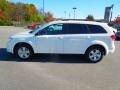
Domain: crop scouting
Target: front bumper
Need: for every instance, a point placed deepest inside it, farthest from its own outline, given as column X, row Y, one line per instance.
column 10, row 47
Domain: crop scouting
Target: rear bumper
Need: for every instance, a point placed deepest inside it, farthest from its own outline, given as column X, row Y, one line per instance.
column 112, row 49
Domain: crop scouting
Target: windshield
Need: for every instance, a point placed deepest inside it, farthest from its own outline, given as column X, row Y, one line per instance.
column 39, row 28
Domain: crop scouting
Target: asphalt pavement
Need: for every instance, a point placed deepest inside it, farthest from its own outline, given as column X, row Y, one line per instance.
column 56, row 72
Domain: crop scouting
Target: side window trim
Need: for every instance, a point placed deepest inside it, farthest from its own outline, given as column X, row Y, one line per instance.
column 87, row 28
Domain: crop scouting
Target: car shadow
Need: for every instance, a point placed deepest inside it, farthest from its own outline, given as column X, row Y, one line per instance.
column 44, row 58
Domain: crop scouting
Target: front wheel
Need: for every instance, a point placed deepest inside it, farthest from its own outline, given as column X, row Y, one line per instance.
column 24, row 52
column 94, row 54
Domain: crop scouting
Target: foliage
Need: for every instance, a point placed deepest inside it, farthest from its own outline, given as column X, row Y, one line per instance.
column 90, row 18
column 20, row 12
column 49, row 17
column 4, row 21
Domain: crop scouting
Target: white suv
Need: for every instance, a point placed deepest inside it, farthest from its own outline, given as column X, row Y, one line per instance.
column 92, row 39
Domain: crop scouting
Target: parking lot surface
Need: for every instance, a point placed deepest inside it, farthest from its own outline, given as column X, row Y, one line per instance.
column 54, row 72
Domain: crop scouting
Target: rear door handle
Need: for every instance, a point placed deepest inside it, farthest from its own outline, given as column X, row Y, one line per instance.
column 60, row 37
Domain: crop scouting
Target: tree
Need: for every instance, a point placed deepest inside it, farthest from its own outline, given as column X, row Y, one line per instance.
column 1, row 12
column 20, row 12
column 17, row 12
column 31, row 12
column 49, row 17
column 5, row 10
column 90, row 18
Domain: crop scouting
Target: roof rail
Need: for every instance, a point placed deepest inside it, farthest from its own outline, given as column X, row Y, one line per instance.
column 73, row 19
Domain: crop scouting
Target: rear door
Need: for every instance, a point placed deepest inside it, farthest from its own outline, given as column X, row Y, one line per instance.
column 76, row 38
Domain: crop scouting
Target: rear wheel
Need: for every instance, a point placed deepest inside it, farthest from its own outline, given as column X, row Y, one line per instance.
column 94, row 54
column 24, row 52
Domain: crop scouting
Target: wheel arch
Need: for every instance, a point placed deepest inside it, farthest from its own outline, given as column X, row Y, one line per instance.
column 22, row 43
column 98, row 45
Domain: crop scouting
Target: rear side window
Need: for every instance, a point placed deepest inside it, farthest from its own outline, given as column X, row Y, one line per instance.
column 77, row 29
column 96, row 29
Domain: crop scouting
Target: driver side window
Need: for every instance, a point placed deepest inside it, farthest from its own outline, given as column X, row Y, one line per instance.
column 54, row 29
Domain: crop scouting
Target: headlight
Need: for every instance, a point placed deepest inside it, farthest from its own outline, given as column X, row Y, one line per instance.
column 10, row 38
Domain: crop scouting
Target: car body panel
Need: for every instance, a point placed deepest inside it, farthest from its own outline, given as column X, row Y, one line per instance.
column 49, row 44
column 64, row 44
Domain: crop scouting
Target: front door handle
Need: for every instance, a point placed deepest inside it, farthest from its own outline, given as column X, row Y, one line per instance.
column 88, row 37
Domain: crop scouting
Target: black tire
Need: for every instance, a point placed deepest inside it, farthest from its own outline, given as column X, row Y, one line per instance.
column 89, row 54
column 28, row 48
column 117, row 38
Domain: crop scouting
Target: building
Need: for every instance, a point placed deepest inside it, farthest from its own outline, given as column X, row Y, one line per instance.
column 108, row 13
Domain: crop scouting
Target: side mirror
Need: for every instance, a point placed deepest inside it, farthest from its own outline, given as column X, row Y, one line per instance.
column 42, row 32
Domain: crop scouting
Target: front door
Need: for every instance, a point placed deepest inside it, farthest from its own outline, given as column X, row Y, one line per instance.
column 51, row 39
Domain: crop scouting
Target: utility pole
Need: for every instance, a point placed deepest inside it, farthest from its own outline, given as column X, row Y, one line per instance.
column 65, row 14
column 69, row 16
column 74, row 9
column 43, row 8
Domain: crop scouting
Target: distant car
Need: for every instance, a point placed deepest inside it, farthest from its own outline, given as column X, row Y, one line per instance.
column 117, row 32
column 118, row 29
column 92, row 39
column 118, row 35
column 33, row 26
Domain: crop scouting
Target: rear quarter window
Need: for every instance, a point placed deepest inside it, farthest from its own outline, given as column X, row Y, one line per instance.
column 96, row 29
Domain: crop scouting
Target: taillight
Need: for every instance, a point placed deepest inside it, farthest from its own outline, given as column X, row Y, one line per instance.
column 113, row 37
